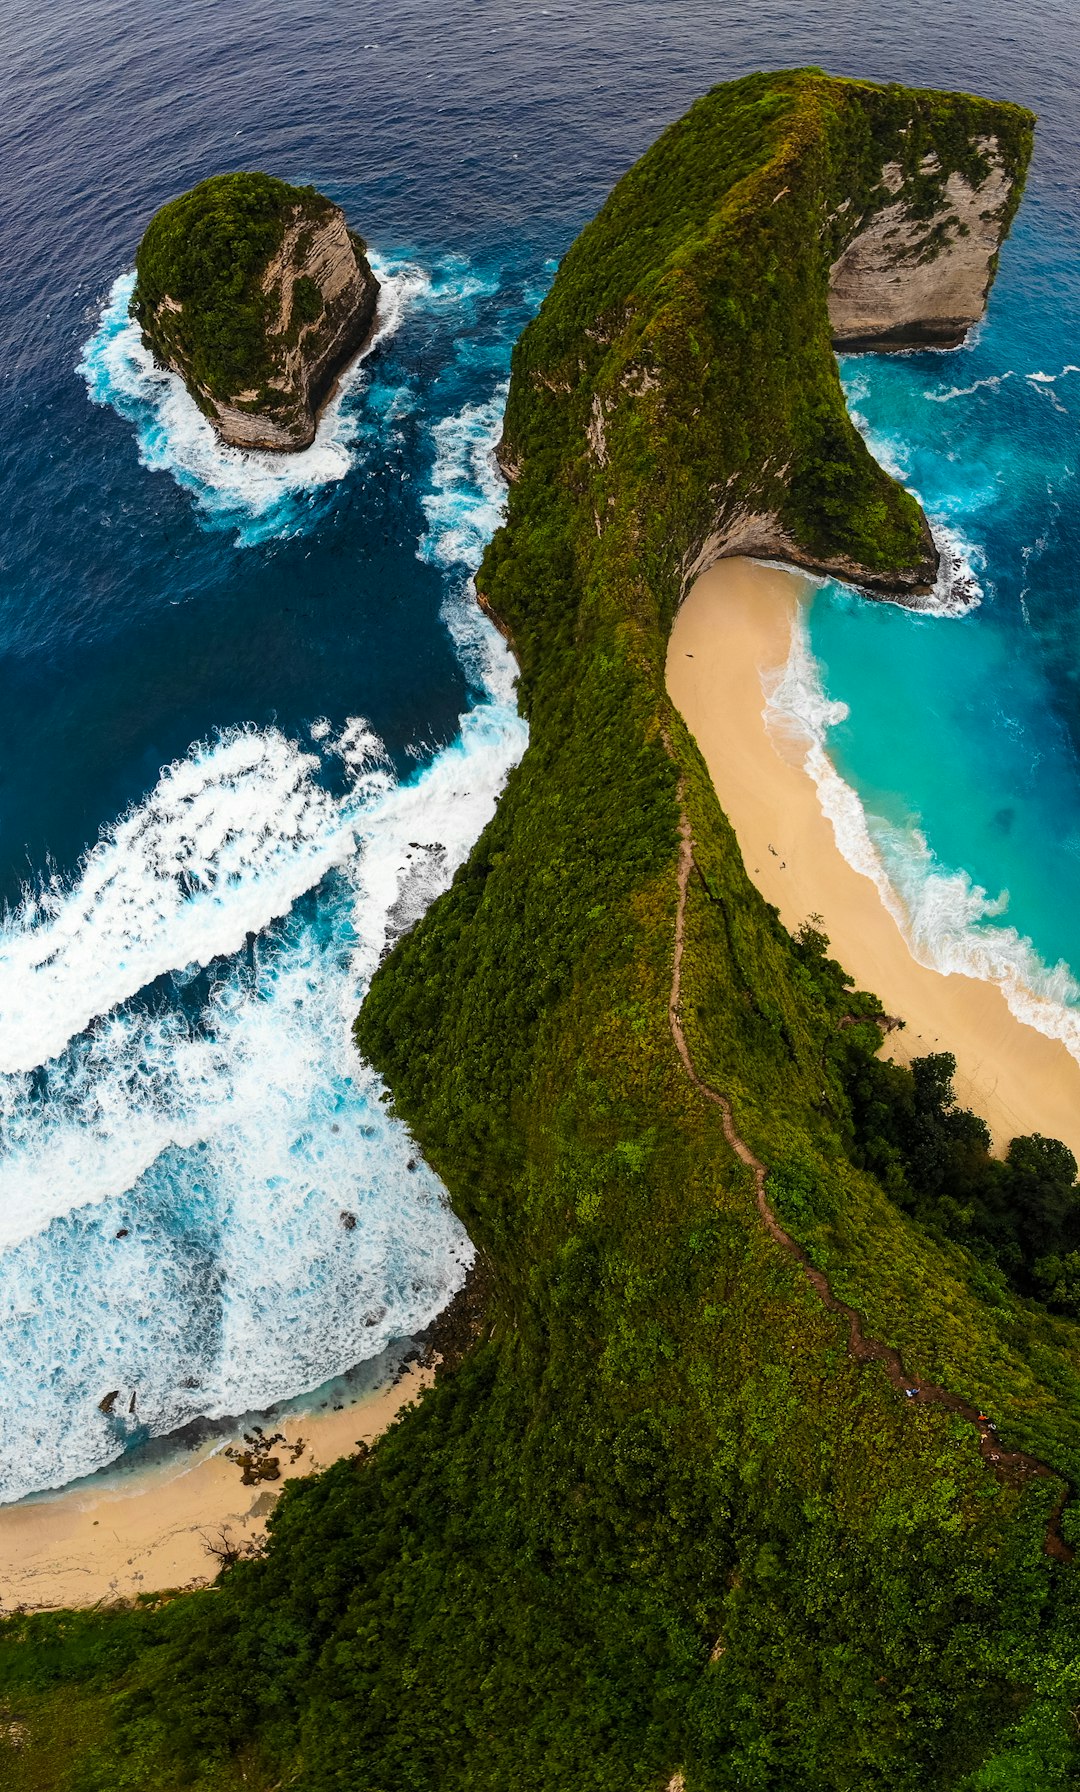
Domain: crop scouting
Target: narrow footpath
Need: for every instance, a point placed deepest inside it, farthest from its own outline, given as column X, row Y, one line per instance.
column 1012, row 1466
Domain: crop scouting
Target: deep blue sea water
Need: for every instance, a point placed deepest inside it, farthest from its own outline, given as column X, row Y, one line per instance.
column 250, row 719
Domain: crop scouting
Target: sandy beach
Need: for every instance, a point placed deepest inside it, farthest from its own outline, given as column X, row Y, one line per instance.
column 114, row 1537
column 734, row 627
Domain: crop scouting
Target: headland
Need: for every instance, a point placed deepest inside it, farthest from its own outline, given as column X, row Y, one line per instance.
column 665, row 1524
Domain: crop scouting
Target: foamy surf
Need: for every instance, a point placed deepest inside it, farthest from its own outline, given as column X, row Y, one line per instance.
column 226, row 842
column 958, row 588
column 992, row 382
column 227, row 1143
column 464, row 502
column 950, row 923
column 204, row 1203
column 260, row 495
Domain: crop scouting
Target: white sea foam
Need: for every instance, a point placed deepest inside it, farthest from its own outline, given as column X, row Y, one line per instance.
column 260, row 495
column 464, row 504
column 229, row 1149
column 228, row 840
column 137, row 1085
column 950, row 923
column 958, row 588
column 1048, row 379
column 237, row 1283
column 226, row 1134
column 991, row 383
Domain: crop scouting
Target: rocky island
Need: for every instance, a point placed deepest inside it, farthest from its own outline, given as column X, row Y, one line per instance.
column 752, row 1475
column 257, row 294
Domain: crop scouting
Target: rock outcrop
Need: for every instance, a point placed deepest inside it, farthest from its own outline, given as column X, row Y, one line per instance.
column 856, row 216
column 917, row 275
column 307, row 358
column 258, row 294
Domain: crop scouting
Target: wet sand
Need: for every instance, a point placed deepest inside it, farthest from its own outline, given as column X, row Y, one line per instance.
column 734, row 627
column 115, row 1536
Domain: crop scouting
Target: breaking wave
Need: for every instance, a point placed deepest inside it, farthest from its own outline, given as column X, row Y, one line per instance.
column 188, row 1133
column 258, row 495
column 993, row 381
column 950, row 923
column 959, row 588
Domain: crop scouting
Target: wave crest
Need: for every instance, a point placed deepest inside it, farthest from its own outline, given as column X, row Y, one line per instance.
column 950, row 923
column 172, row 1175
column 260, row 495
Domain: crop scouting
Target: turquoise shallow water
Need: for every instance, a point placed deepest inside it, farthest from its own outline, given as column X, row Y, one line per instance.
column 250, row 719
column 961, row 730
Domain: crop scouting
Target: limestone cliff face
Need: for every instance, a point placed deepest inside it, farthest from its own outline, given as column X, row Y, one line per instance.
column 685, row 354
column 258, row 295
column 915, row 277
column 307, row 356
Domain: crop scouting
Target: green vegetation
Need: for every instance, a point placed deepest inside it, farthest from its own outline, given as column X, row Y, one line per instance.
column 207, row 252
column 1020, row 1215
column 659, row 1521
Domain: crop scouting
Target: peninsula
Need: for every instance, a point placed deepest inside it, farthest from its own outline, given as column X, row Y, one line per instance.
column 758, row 1470
column 257, row 294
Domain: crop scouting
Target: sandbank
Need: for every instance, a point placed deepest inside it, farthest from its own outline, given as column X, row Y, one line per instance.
column 111, row 1537
column 734, row 628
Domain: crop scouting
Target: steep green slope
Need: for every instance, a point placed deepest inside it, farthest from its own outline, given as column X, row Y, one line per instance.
column 661, row 1528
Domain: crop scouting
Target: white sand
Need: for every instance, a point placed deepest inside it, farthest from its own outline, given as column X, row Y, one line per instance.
column 735, row 625
column 113, row 1538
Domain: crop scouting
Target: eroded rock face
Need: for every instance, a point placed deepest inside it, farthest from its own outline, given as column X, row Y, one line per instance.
column 760, row 535
column 257, row 294
column 308, row 355
column 909, row 280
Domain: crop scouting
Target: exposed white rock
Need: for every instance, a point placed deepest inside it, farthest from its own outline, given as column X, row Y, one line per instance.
column 905, row 281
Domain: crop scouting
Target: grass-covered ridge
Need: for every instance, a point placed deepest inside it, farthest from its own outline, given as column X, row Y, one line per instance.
column 659, row 1522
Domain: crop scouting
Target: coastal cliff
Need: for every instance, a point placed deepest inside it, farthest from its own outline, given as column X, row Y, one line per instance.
column 258, row 294
column 918, row 268
column 714, row 1499
column 859, row 216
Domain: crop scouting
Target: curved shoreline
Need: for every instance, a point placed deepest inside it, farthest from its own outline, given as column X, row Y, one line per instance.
column 110, row 1538
column 1015, row 1467
column 735, row 626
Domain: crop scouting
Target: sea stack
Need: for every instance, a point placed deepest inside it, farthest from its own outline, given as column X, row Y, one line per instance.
column 257, row 294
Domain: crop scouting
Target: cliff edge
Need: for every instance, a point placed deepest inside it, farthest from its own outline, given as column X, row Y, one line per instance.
column 257, row 294
column 917, row 271
column 675, row 1519
column 693, row 322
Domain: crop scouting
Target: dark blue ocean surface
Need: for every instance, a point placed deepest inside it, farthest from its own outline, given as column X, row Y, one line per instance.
column 249, row 717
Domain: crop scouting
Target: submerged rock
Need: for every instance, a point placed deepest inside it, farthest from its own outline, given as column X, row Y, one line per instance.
column 257, row 294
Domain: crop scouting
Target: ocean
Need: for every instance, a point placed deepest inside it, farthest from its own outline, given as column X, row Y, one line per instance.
column 251, row 719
